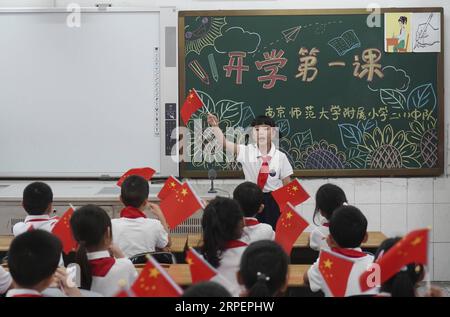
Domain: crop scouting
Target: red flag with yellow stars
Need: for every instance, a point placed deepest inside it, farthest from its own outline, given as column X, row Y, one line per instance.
column 145, row 172
column 172, row 184
column 200, row 269
column 63, row 231
column 190, row 105
column 335, row 271
column 413, row 248
column 180, row 205
column 289, row 227
column 154, row 281
column 292, row 193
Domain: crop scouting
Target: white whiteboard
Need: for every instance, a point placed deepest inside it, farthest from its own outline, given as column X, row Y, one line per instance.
column 77, row 102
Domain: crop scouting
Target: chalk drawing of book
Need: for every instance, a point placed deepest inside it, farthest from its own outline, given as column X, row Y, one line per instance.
column 345, row 43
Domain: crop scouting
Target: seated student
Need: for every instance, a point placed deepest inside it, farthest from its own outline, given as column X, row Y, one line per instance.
column 264, row 269
column 404, row 283
column 348, row 230
column 33, row 259
column 5, row 281
column 328, row 198
column 250, row 198
column 133, row 232
column 37, row 201
column 206, row 289
column 103, row 266
column 222, row 225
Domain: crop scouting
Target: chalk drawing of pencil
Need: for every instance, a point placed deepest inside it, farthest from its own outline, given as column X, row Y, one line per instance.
column 198, row 70
column 213, row 67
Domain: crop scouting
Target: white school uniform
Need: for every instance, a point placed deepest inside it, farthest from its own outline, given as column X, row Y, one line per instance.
column 108, row 273
column 42, row 222
column 251, row 159
column 138, row 235
column 317, row 283
column 229, row 266
column 255, row 231
column 5, row 280
column 23, row 292
column 318, row 237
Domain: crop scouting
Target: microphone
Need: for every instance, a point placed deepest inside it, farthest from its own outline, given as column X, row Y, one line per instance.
column 212, row 174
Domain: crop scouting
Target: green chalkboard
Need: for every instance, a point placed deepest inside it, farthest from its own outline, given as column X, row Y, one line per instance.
column 344, row 107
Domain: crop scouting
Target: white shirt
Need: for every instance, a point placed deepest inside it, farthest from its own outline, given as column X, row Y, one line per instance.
column 255, row 231
column 251, row 159
column 5, row 280
column 42, row 222
column 138, row 235
column 22, row 291
column 318, row 238
column 122, row 271
column 317, row 283
column 228, row 268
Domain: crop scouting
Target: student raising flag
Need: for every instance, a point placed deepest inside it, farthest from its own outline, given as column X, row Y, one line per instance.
column 145, row 172
column 190, row 105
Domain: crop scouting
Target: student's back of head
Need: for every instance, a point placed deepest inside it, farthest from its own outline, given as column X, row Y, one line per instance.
column 403, row 283
column 134, row 191
column 206, row 289
column 348, row 227
column 37, row 199
column 33, row 258
column 250, row 198
column 222, row 221
column 91, row 227
column 264, row 268
column 329, row 197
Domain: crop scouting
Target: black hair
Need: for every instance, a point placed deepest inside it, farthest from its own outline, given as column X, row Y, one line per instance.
column 250, row 198
column 33, row 257
column 403, row 283
column 222, row 221
column 328, row 198
column 348, row 226
column 37, row 197
column 134, row 191
column 206, row 289
column 403, row 19
column 263, row 120
column 263, row 269
column 89, row 225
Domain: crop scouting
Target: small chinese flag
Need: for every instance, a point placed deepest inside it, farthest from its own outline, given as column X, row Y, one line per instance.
column 335, row 271
column 292, row 193
column 200, row 269
column 63, row 231
column 154, row 281
column 172, row 184
column 180, row 205
column 413, row 248
column 145, row 172
column 190, row 105
column 289, row 227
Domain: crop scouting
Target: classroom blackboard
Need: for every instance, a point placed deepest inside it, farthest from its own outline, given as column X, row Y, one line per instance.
column 344, row 107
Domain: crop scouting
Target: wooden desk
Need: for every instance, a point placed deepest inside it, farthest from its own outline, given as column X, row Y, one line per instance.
column 5, row 242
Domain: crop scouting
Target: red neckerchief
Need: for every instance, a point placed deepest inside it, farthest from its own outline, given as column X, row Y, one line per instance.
column 132, row 213
column 326, row 224
column 235, row 244
column 349, row 252
column 248, row 222
column 27, row 295
column 100, row 267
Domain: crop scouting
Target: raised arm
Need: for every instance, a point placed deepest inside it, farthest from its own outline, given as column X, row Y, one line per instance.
column 229, row 146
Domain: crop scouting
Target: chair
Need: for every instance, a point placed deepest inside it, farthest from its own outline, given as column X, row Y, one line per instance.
column 161, row 257
column 404, row 50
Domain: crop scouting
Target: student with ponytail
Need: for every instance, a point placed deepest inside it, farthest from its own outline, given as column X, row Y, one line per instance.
column 222, row 225
column 264, row 269
column 103, row 266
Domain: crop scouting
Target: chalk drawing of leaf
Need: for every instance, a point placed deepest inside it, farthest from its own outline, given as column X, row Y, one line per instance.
column 229, row 112
column 247, row 117
column 369, row 125
column 393, row 98
column 422, row 97
column 356, row 158
column 301, row 140
column 284, row 126
column 351, row 135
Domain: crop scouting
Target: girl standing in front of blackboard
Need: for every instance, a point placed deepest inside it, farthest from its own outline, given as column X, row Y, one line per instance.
column 261, row 161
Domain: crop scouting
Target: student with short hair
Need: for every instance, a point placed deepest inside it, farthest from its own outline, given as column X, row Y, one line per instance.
column 38, row 203
column 104, row 268
column 250, row 198
column 348, row 230
column 134, row 232
column 33, row 259
column 264, row 270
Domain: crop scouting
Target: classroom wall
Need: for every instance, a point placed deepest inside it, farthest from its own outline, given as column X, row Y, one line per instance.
column 392, row 205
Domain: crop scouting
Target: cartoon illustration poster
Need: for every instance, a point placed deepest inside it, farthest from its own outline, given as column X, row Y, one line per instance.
column 426, row 32
column 397, row 28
